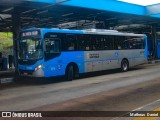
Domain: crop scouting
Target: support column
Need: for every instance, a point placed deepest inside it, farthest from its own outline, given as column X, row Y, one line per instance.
column 154, row 38
column 15, row 29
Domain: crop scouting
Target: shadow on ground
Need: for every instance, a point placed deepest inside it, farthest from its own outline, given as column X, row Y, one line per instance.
column 40, row 81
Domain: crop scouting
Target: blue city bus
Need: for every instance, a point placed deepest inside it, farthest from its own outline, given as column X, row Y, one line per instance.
column 44, row 52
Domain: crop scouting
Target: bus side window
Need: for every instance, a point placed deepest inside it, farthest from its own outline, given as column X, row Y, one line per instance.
column 87, row 42
column 128, row 43
column 125, row 44
column 139, row 43
column 110, row 42
column 71, row 46
column 97, row 42
column 104, row 46
column 69, row 42
column 80, row 42
column 83, row 42
column 118, row 40
column 93, row 42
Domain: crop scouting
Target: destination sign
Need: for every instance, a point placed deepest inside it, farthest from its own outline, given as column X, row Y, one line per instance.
column 29, row 33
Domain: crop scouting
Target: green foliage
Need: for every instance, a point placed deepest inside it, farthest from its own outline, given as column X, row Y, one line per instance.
column 6, row 41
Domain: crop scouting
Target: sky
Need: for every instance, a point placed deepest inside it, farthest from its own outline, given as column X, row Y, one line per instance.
column 142, row 2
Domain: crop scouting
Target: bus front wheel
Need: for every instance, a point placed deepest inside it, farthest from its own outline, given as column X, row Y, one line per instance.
column 70, row 73
column 124, row 66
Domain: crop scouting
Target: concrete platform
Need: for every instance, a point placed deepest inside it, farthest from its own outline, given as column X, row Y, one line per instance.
column 153, row 61
column 7, row 76
column 9, row 72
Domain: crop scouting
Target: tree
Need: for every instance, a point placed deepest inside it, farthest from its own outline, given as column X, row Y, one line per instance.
column 6, row 43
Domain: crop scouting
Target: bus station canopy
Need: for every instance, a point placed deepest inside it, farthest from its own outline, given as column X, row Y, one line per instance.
column 78, row 14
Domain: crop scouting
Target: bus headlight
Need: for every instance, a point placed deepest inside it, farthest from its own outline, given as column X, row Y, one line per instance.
column 38, row 67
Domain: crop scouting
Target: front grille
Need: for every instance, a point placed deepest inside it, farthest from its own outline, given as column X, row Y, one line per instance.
column 26, row 72
column 28, row 62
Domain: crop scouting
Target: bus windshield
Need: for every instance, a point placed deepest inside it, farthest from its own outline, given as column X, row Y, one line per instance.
column 30, row 48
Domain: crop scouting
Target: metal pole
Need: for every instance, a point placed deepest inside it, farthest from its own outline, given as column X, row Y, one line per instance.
column 154, row 38
column 15, row 29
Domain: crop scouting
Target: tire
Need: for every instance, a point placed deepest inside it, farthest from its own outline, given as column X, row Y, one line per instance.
column 124, row 66
column 70, row 73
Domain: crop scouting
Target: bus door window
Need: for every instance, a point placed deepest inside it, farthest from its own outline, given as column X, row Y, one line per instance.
column 52, row 47
column 38, row 49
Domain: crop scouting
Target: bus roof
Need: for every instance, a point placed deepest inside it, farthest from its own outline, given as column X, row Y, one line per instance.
column 88, row 31
column 111, row 32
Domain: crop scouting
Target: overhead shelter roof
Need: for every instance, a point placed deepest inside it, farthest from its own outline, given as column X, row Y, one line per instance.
column 50, row 13
column 141, row 2
column 110, row 5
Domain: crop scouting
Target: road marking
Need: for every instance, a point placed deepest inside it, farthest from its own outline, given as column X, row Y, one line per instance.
column 146, row 105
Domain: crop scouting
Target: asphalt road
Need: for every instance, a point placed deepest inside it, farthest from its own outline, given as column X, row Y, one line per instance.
column 110, row 91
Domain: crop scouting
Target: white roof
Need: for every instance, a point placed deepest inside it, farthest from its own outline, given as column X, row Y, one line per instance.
column 110, row 32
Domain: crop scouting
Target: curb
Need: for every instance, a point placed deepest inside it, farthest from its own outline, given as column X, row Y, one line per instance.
column 153, row 62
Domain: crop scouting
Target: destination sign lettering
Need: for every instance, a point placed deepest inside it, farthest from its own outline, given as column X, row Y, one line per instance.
column 29, row 33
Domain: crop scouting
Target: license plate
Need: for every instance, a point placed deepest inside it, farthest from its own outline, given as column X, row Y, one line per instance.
column 25, row 73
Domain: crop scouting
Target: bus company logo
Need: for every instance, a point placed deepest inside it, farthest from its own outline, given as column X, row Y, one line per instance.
column 116, row 54
column 96, row 55
column 6, row 114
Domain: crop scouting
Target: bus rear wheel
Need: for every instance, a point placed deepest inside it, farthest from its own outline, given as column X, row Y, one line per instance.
column 124, row 66
column 70, row 73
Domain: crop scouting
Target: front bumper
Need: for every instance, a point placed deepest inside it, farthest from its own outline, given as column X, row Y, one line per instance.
column 31, row 73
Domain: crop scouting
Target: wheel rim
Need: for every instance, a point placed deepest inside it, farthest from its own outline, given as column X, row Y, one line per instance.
column 125, row 66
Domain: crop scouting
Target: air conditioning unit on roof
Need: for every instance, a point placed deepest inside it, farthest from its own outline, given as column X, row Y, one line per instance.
column 100, row 30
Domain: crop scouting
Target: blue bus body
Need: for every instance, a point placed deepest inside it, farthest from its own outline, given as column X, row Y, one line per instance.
column 56, row 66
column 85, row 61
